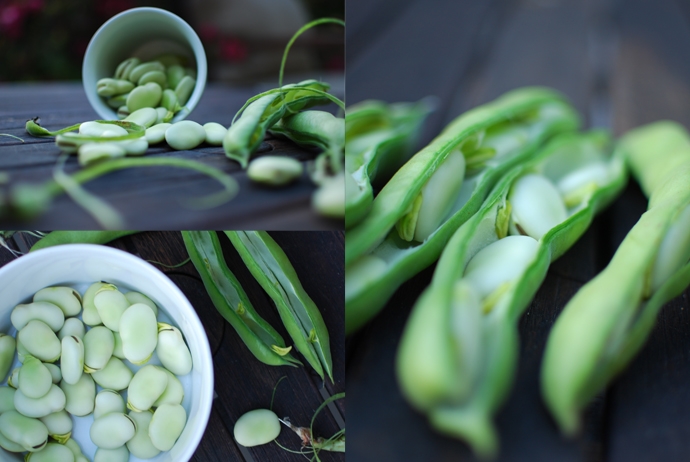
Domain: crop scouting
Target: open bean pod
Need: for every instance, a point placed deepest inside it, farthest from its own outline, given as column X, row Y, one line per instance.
column 273, row 271
column 419, row 209
column 458, row 352
column 246, row 134
column 232, row 302
column 379, row 138
column 606, row 323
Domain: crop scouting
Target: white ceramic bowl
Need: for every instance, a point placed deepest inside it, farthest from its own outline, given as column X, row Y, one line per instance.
column 80, row 265
column 145, row 33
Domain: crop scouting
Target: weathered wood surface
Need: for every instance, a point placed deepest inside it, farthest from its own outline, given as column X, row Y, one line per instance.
column 622, row 64
column 149, row 198
column 242, row 383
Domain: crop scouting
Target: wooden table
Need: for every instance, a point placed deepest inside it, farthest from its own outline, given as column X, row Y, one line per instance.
column 622, row 64
column 149, row 198
column 242, row 383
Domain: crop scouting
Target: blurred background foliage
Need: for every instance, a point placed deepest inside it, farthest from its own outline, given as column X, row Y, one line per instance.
column 243, row 39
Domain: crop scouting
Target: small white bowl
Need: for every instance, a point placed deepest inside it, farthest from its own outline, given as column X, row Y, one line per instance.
column 145, row 33
column 80, row 265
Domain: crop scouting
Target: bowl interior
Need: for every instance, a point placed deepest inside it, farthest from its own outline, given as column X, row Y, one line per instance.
column 78, row 266
column 144, row 33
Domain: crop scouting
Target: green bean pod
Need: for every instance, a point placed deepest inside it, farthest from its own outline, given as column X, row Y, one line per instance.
column 458, row 352
column 246, row 134
column 380, row 138
column 8, row 345
column 312, row 128
column 493, row 138
column 231, row 301
column 273, row 271
column 607, row 322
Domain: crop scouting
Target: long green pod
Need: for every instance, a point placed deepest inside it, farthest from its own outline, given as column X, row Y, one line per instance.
column 313, row 128
column 273, row 271
column 458, row 352
column 232, row 302
column 377, row 260
column 606, row 323
column 246, row 134
column 54, row 238
column 379, row 138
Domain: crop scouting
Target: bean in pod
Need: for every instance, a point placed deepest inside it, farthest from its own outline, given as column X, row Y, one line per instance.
column 99, row 344
column 93, row 128
column 166, row 425
column 110, row 303
column 8, row 345
column 274, row 170
column 53, row 401
column 139, row 333
column 34, row 378
column 120, row 454
column 81, row 396
column 115, row 375
column 31, row 434
column 59, row 425
column 172, row 350
column 140, row 445
column 256, row 427
column 68, row 299
column 147, row 385
column 537, row 206
column 185, row 135
column 72, row 359
column 40, row 341
column 112, row 430
column 108, row 401
column 6, row 399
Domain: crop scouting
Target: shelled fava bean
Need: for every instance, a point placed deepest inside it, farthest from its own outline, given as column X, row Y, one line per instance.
column 40, row 395
column 162, row 84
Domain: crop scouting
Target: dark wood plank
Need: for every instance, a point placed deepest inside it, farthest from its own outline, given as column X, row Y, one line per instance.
column 149, row 198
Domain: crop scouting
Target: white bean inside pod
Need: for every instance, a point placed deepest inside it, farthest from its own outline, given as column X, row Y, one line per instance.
column 59, row 425
column 166, row 425
column 174, row 392
column 72, row 327
column 40, row 341
column 53, row 452
column 7, row 347
column 581, row 183
column 139, row 333
column 137, row 297
column 108, row 401
column 147, row 385
column 53, row 401
column 34, row 378
column 120, row 454
column 81, row 396
column 7, row 399
column 47, row 312
column 68, row 299
column 500, row 263
column 99, row 344
column 435, row 200
column 93, row 128
column 112, row 430
column 172, row 350
column 115, row 375
column 140, row 445
column 31, row 434
column 72, row 359
column 674, row 250
column 90, row 315
column 256, row 427
column 537, row 206
column 110, row 303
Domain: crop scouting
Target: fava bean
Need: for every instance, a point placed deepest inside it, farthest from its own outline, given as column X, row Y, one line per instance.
column 172, row 350
column 125, row 68
column 6, row 399
column 51, row 402
column 146, row 96
column 94, row 128
column 90, row 153
column 175, row 74
column 110, row 303
column 141, row 69
column 40, row 341
column 156, row 133
column 68, row 299
column 55, row 372
column 113, row 87
column 90, row 315
column 184, row 89
column 81, row 396
column 52, row 452
column 140, row 445
column 166, row 425
column 185, row 135
column 138, row 297
column 112, row 430
column 147, row 385
column 215, row 133
column 115, row 375
column 154, row 76
column 72, row 327
column 139, row 333
column 256, row 427
column 329, row 199
column 31, row 434
column 174, row 392
column 146, row 117
column 274, row 170
column 98, row 348
column 34, row 378
column 108, row 401
column 59, row 425
column 72, row 359
column 120, row 454
column 8, row 346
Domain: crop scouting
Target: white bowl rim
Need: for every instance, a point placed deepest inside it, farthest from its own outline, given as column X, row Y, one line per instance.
column 206, row 398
